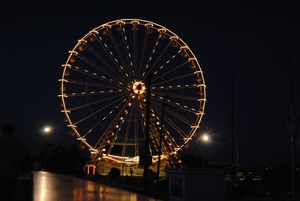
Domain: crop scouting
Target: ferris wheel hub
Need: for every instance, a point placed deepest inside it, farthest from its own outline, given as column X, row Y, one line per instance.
column 138, row 87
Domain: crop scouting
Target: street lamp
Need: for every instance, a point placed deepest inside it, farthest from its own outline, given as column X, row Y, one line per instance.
column 47, row 130
column 205, row 138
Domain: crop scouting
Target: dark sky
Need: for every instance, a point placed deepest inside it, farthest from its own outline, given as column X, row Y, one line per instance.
column 250, row 40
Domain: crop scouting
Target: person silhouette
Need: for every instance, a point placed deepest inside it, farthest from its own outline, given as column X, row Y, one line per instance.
column 131, row 171
column 11, row 152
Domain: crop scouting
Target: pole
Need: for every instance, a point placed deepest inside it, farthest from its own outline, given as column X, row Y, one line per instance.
column 203, row 151
column 146, row 153
column 45, row 158
column 231, row 137
column 160, row 137
column 236, row 159
column 292, row 132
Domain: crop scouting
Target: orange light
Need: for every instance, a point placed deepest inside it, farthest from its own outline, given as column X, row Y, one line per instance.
column 91, row 169
column 138, row 87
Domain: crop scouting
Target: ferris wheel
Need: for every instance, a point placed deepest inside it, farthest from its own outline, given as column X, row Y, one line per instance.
column 104, row 87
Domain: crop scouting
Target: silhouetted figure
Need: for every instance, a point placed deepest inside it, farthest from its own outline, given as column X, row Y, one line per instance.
column 131, row 172
column 11, row 151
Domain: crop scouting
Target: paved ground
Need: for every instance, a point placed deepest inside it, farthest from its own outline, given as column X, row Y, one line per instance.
column 49, row 187
column 24, row 188
column 46, row 186
column 135, row 184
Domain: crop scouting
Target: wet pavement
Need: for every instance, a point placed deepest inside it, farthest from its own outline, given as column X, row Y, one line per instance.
column 49, row 186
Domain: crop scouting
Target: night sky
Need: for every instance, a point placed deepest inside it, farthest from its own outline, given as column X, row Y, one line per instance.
column 252, row 41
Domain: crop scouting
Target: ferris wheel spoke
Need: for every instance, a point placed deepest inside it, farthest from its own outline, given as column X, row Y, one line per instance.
column 135, row 54
column 90, row 74
column 127, row 52
column 160, row 54
column 114, row 141
column 175, row 127
column 110, row 55
column 169, row 144
column 159, row 58
column 99, row 56
column 180, row 106
column 146, row 72
column 108, row 138
column 106, row 63
column 96, row 84
column 176, row 115
column 164, row 81
column 101, row 101
column 115, row 76
column 127, row 132
column 170, row 140
column 155, row 141
column 177, row 96
column 102, row 108
column 140, row 67
column 94, row 113
column 91, row 93
column 166, row 88
column 125, row 65
column 186, row 108
column 112, row 126
column 111, row 88
column 99, row 123
column 112, row 83
column 141, row 110
column 179, row 117
column 167, row 148
column 163, row 76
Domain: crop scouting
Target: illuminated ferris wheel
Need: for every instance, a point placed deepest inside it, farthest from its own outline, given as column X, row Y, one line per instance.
column 104, row 84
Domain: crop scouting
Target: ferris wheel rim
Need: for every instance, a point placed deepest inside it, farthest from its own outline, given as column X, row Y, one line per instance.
column 155, row 26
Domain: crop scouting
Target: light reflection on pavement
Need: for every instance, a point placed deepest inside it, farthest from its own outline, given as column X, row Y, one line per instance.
column 54, row 187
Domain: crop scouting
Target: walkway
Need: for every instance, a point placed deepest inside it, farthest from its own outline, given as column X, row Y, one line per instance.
column 49, row 186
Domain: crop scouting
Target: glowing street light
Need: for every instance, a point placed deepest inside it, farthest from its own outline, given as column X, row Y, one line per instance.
column 47, row 129
column 205, row 138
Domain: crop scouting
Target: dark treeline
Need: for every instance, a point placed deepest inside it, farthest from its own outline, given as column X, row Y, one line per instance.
column 59, row 159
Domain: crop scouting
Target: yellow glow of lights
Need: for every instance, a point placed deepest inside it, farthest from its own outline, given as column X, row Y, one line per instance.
column 205, row 137
column 90, row 169
column 47, row 129
column 138, row 87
